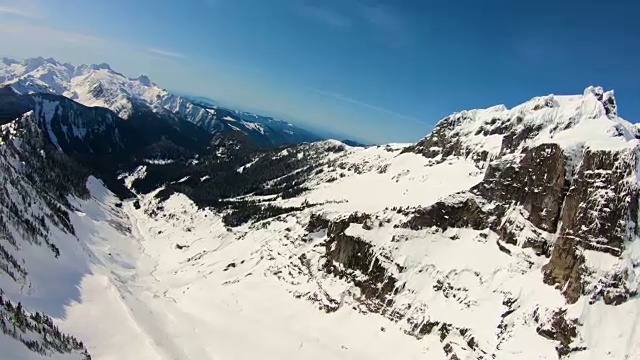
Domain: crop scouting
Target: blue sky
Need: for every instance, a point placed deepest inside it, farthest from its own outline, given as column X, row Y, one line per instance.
column 377, row 70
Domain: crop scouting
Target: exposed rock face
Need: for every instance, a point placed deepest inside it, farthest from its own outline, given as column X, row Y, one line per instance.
column 439, row 141
column 533, row 182
column 564, row 267
column 602, row 205
column 562, row 330
column 457, row 214
column 348, row 256
column 317, row 222
column 587, row 197
column 599, row 214
column 536, row 182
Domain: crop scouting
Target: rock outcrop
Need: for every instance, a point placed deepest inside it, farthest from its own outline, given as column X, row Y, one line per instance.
column 583, row 192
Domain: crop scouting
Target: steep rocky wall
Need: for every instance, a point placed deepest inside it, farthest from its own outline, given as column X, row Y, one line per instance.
column 599, row 213
column 351, row 257
column 594, row 207
column 602, row 204
column 536, row 182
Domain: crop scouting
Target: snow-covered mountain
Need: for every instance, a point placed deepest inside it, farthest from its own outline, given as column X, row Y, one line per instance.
column 503, row 234
column 101, row 86
column 274, row 132
column 38, row 246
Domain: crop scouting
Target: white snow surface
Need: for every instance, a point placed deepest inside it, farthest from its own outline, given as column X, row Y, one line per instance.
column 575, row 122
column 135, row 295
column 190, row 303
column 170, row 281
column 175, row 283
column 254, row 126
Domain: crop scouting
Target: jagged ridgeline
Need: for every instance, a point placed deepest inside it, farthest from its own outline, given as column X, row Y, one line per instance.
column 100, row 85
column 504, row 233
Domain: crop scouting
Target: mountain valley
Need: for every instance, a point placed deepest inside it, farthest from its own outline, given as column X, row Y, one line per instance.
column 135, row 223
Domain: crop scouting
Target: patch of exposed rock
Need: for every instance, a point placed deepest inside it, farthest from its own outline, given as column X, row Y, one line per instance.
column 599, row 213
column 562, row 330
column 349, row 257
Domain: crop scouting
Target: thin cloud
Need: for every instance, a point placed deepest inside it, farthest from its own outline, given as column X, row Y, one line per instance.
column 377, row 18
column 166, row 53
column 48, row 34
column 387, row 21
column 14, row 11
column 383, row 17
column 326, row 16
column 29, row 9
column 368, row 106
column 537, row 49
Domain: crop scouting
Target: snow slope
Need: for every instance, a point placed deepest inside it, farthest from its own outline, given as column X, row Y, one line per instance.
column 151, row 303
column 254, row 318
column 458, row 277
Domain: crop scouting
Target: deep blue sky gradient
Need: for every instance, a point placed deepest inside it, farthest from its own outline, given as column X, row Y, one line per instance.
column 376, row 70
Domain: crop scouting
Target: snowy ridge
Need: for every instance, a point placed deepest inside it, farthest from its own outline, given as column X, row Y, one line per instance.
column 575, row 122
column 69, row 124
column 90, row 85
column 101, row 86
column 38, row 250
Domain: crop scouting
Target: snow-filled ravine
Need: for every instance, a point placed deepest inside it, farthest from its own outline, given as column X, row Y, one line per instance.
column 169, row 281
column 147, row 299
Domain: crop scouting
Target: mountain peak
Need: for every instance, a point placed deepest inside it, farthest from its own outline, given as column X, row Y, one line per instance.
column 102, row 66
column 571, row 121
column 34, row 63
column 9, row 61
column 144, row 80
column 606, row 98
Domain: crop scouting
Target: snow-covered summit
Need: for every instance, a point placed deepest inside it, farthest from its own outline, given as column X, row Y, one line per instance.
column 98, row 85
column 572, row 121
column 144, row 80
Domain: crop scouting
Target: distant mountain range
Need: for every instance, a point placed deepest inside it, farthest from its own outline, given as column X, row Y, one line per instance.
column 101, row 86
